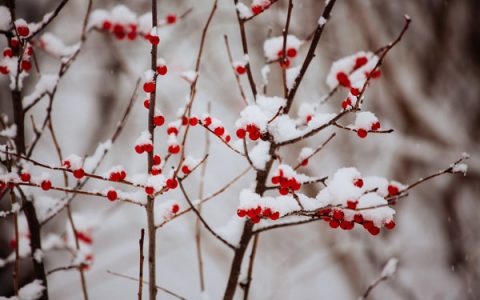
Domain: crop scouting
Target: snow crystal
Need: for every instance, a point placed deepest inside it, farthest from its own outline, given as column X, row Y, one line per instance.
column 5, row 18
column 244, row 10
column 259, row 155
column 46, row 84
column 390, row 267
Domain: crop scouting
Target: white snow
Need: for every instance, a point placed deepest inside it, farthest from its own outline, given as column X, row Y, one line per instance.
column 259, row 155
column 5, row 18
column 31, row 291
column 364, row 120
column 460, row 168
column 292, row 74
column 9, row 132
column 46, row 84
column 390, row 267
column 56, row 47
column 244, row 10
column 272, row 46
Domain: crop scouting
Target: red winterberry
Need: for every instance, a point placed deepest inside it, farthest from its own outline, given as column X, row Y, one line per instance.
column 139, row 149
column 185, row 170
column 241, row 133
column 26, row 65
column 346, row 103
column 392, row 190
column 78, row 173
column 174, row 149
column 292, row 52
column 106, row 25
column 148, row 148
column 376, row 126
column 23, row 30
column 352, row 204
column 146, row 103
column 155, row 171
column 240, row 70
column 158, row 120
column 112, row 195
column 304, row 162
column 207, row 121
column 13, row 244
column 283, row 191
column 171, row 18
column 153, row 39
column 162, row 69
column 362, row 133
column 7, row 52
column 360, row 61
column 338, row 215
column 254, row 135
column 149, row 87
column 175, row 208
column 334, row 223
column 172, row 130
column 390, row 225
column 355, row 91
column 46, row 185
column 241, row 213
column 25, row 177
column 157, row 160
column 4, row 70
column 149, row 190
column 193, row 121
column 172, row 183
column 274, row 216
column 358, row 218
column 256, row 9
column 343, row 79
column 219, row 131
column 374, row 230
column 358, row 182
column 267, row 212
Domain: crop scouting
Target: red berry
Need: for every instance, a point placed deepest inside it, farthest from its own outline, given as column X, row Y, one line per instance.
column 106, row 25
column 360, row 61
column 171, row 18
column 343, row 79
column 78, row 173
column 174, row 149
column 358, row 182
column 283, row 191
column 155, row 171
column 7, row 52
column 23, row 30
column 207, row 121
column 149, row 190
column 376, row 126
column 112, row 195
column 376, row 74
column 241, row 213
column 276, row 179
column 148, row 148
column 123, row 175
column 309, row 118
column 13, row 244
column 362, row 133
column 368, row 224
column 162, row 69
column 115, row 176
column 46, row 185
column 256, row 219
column 172, row 130
column 345, row 225
column 355, row 91
column 352, row 204
column 146, row 103
column 240, row 70
column 14, row 43
column 228, row 138
column 374, row 230
column 25, row 177
column 185, row 170
column 392, row 190
column 284, row 63
column 256, row 9
column 84, row 237
column 175, row 208
column 304, row 162
column 219, row 131
column 157, row 160
column 4, row 70
column 29, row 50
column 193, row 121
column 118, row 29
column 184, row 120
column 267, row 212
column 338, row 215
column 149, row 87
column 254, row 135
column 139, row 149
column 275, row 216
column 292, row 52
column 158, row 120
column 333, row 223
column 153, row 39
column 172, row 183
column 241, row 133
column 358, row 218
column 390, row 225
column 346, row 103
column 26, row 65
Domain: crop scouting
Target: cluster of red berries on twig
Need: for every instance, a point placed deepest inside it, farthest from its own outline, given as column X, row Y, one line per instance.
column 258, row 6
column 286, row 184
column 255, row 214
column 253, row 131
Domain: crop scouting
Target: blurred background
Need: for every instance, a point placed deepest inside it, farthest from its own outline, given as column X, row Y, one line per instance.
column 429, row 94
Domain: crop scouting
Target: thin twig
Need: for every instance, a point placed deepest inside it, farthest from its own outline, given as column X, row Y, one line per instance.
column 140, row 271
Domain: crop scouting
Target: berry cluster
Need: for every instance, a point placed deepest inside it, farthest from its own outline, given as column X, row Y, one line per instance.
column 255, row 214
column 216, row 126
column 258, row 6
column 253, row 131
column 287, row 184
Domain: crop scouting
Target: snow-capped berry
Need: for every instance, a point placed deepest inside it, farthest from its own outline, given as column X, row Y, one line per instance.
column 283, row 191
column 267, row 212
column 7, row 52
column 358, row 182
column 25, row 177
column 219, row 131
column 390, row 225
column 376, row 126
column 346, row 225
column 207, row 121
column 112, row 195
column 155, row 171
column 351, row 204
column 355, row 91
column 343, row 79
column 292, row 52
column 175, row 208
column 23, row 30
column 158, row 120
column 139, row 149
column 309, row 118
column 304, row 162
column 274, row 216
column 162, row 69
column 4, row 70
column 392, row 190
column 174, row 149
column 240, row 69
column 78, row 173
column 107, row 25
column 257, row 9
column 193, row 121
column 185, row 170
column 184, row 120
column 358, row 218
column 171, row 18
column 338, row 214
column 146, row 103
column 157, row 160
column 14, row 43
column 374, row 75
column 148, row 148
column 360, row 62
column 362, row 133
column 368, row 224
column 149, row 190
column 153, row 39
column 284, row 63
column 149, row 87
column 46, row 185
column 374, row 230
column 172, row 130
column 172, row 183
column 26, row 65
column 241, row 133
column 254, row 135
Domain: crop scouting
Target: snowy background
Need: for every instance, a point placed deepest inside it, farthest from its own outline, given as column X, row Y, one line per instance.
column 429, row 93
